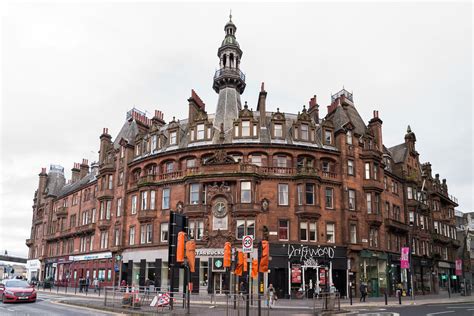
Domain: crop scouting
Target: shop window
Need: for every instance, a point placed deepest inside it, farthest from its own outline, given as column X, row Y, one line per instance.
column 245, row 192
column 330, row 233
column 283, row 194
column 164, row 232
column 329, row 196
column 283, row 230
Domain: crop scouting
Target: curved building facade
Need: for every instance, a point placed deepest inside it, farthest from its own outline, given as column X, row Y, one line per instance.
column 335, row 203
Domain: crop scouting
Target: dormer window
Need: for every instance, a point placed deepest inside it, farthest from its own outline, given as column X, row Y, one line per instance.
column 327, row 137
column 137, row 149
column 173, row 139
column 349, row 137
column 278, row 130
column 154, row 142
column 200, row 132
column 245, row 128
column 304, row 132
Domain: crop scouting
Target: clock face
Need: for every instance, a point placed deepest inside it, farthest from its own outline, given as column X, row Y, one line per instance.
column 220, row 209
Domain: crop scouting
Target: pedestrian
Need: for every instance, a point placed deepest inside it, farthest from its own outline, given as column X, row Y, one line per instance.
column 243, row 290
column 363, row 291
column 271, row 295
column 87, row 284
column 95, row 284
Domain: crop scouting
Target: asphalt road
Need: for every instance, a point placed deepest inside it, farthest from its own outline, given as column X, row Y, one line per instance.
column 45, row 305
column 449, row 309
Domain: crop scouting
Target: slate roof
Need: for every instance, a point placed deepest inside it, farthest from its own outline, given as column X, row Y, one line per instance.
column 344, row 114
column 399, row 152
column 128, row 132
column 55, row 182
column 68, row 188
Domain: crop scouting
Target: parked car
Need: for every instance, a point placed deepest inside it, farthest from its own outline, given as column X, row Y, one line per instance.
column 14, row 290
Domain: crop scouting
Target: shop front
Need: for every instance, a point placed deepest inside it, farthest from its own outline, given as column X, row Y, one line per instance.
column 423, row 275
column 54, row 268
column 394, row 273
column 447, row 279
column 138, row 266
column 299, row 271
column 373, row 271
column 33, row 270
column 90, row 266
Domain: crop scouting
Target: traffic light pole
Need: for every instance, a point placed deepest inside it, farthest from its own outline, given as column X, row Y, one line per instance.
column 247, row 301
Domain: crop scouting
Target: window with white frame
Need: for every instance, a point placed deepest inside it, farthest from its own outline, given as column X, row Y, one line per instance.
column 116, row 237
column 368, row 198
column 93, row 215
column 173, row 139
column 245, row 227
column 330, row 233
column 349, row 137
column 191, row 163
column 245, row 128
column 352, row 199
column 329, row 197
column 169, row 167
column 149, row 233
column 104, row 237
column 282, row 194
column 154, row 142
column 165, row 202
column 326, row 166
column 281, row 161
column 152, row 199
column 409, row 193
column 256, row 160
column 310, row 194
column 164, row 232
column 200, row 131
column 196, row 229
column 304, row 132
column 327, row 137
column 299, row 194
column 367, row 170
column 144, row 204
column 194, row 193
column 303, row 231
column 313, row 231
column 373, row 237
column 353, row 233
column 283, row 229
column 350, row 167
column 245, row 192
column 131, row 239
column 375, row 173
column 111, row 182
column 142, row 234
column 119, row 207
column 411, row 217
column 134, row 204
column 108, row 209
column 277, row 130
column 120, row 181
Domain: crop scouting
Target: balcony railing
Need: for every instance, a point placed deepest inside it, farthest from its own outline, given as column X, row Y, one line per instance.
column 86, row 228
column 104, row 223
column 229, row 72
column 61, row 211
column 396, row 225
column 146, row 215
column 374, row 219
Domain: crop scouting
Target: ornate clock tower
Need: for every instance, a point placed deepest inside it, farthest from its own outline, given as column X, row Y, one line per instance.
column 229, row 83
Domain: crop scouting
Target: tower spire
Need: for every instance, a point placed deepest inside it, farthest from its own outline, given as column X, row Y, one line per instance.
column 230, row 16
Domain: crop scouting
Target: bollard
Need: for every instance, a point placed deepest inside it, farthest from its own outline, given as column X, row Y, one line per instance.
column 400, row 298
column 385, row 294
column 350, row 295
column 259, row 304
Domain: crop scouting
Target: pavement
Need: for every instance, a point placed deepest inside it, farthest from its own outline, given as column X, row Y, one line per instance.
column 61, row 303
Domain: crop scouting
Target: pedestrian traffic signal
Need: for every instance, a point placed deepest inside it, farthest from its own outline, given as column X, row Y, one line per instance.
column 191, row 254
column 265, row 256
column 180, row 247
column 227, row 255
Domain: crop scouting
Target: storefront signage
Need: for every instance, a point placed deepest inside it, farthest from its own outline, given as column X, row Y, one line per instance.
column 404, row 263
column 295, row 273
column 211, row 252
column 33, row 264
column 458, row 267
column 305, row 252
column 103, row 255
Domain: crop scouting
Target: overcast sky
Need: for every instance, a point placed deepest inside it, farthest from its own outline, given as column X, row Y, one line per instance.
column 68, row 70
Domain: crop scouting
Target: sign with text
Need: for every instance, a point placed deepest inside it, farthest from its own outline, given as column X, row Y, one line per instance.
column 296, row 273
column 458, row 267
column 404, row 263
column 247, row 244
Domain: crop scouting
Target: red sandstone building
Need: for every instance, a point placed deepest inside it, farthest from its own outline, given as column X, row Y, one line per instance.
column 323, row 189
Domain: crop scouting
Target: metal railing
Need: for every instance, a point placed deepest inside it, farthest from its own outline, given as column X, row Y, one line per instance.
column 229, row 71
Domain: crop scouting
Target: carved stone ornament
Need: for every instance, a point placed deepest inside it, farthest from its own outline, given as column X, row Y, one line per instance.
column 265, row 204
column 217, row 189
column 218, row 238
column 220, row 157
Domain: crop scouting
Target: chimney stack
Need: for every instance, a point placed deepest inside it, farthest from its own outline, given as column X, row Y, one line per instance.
column 75, row 172
column 376, row 125
column 314, row 109
column 84, row 168
column 43, row 177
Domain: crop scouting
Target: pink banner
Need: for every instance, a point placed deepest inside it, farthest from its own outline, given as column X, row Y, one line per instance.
column 458, row 267
column 404, row 263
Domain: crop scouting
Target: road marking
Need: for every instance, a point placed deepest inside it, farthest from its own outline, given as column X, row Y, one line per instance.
column 437, row 313
column 472, row 309
column 86, row 308
column 460, row 306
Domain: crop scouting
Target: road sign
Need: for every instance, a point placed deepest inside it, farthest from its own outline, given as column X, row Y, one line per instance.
column 116, row 268
column 247, row 244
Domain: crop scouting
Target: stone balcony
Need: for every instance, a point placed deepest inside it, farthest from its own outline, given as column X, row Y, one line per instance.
column 440, row 238
column 104, row 224
column 396, row 226
column 372, row 184
column 308, row 211
column 105, row 194
column 29, row 242
column 374, row 219
column 85, row 229
column 146, row 215
column 61, row 212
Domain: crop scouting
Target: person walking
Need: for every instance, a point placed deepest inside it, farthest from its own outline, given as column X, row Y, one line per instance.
column 87, row 284
column 95, row 284
column 271, row 295
column 363, row 291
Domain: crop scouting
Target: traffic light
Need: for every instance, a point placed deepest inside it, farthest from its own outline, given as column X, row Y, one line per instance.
column 191, row 254
column 265, row 256
column 254, row 268
column 227, row 255
column 240, row 263
column 180, row 247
